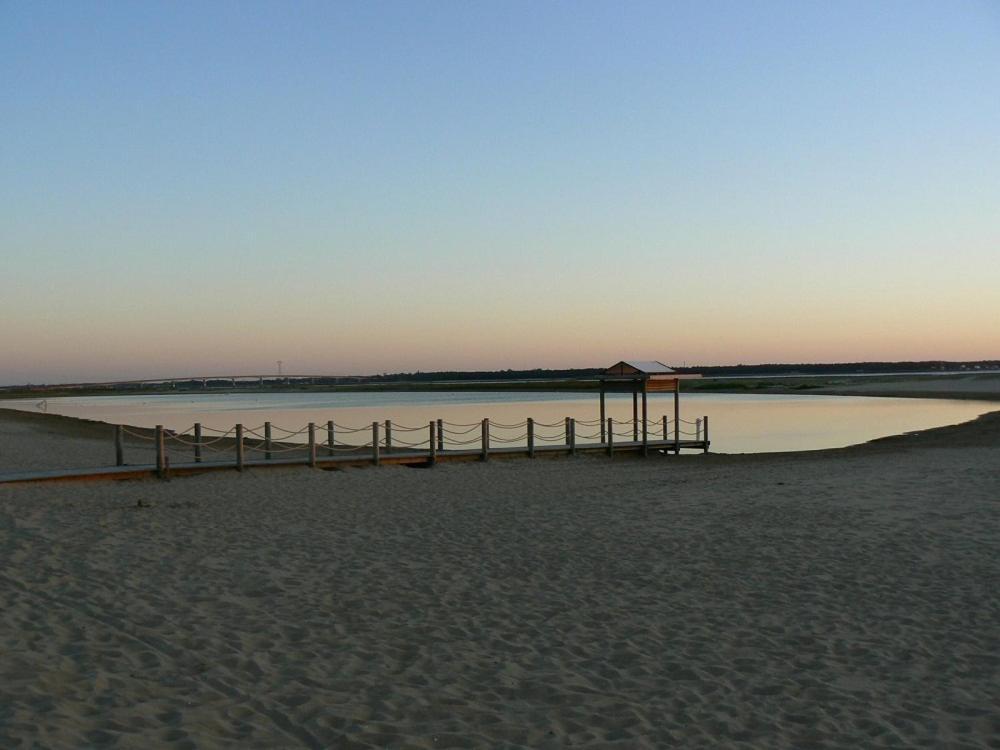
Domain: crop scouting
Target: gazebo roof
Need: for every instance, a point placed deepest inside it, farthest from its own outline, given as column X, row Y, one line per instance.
column 637, row 367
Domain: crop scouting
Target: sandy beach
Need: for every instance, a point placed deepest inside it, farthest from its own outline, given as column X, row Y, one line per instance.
column 842, row 599
column 982, row 386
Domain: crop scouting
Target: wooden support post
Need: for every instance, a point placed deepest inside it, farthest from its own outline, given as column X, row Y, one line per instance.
column 119, row 445
column 705, row 436
column 312, row 445
column 572, row 437
column 432, row 442
column 197, row 442
column 697, row 429
column 645, row 417
column 566, row 429
column 531, row 437
column 239, row 447
column 666, row 432
column 161, row 457
column 677, row 417
column 388, row 434
column 635, row 415
column 611, row 436
column 331, row 441
column 267, row 441
column 486, row 440
column 376, row 458
column 603, row 410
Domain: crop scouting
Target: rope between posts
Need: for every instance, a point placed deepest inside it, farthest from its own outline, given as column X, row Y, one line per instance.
column 127, row 431
column 408, row 444
column 509, row 426
column 213, row 441
column 549, row 439
column 515, row 439
column 344, row 428
column 182, row 441
column 401, row 428
column 220, row 432
column 457, row 424
column 475, row 440
column 289, row 433
column 460, row 432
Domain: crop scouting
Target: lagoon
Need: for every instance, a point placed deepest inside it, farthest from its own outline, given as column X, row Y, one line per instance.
column 740, row 423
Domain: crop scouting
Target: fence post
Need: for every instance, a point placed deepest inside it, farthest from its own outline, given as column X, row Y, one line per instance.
column 572, row 437
column 440, row 434
column 486, row 440
column 666, row 430
column 388, row 434
column 531, row 437
column 376, row 458
column 161, row 464
column 312, row 445
column 197, row 442
column 567, row 430
column 432, row 441
column 267, row 441
column 239, row 447
column 611, row 436
column 635, row 416
column 119, row 445
column 697, row 429
column 330, row 442
column 705, row 422
column 677, row 436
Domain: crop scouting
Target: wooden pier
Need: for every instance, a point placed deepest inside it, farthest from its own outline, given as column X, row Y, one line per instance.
column 242, row 448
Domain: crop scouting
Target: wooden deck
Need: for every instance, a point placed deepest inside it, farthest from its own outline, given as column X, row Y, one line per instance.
column 387, row 457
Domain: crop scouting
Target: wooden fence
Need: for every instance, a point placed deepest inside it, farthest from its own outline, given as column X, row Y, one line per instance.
column 331, row 443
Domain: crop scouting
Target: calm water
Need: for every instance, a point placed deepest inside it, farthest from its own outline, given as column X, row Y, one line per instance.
column 740, row 423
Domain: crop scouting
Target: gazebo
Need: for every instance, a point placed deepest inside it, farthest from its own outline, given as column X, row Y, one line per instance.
column 642, row 377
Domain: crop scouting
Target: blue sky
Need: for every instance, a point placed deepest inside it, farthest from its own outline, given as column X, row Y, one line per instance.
column 191, row 187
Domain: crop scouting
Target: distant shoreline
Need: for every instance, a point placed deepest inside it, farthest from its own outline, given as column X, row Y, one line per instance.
column 961, row 385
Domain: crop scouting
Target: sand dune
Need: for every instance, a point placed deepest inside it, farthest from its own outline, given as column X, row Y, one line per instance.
column 836, row 599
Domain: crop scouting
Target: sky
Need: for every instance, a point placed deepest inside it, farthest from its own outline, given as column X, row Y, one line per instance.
column 193, row 188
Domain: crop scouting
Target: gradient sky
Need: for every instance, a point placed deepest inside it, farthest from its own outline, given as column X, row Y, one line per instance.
column 191, row 188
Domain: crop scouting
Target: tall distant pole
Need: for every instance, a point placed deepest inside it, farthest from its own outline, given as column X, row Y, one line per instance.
column 279, row 367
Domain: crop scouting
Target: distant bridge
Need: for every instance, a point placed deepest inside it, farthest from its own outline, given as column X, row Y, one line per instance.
column 202, row 381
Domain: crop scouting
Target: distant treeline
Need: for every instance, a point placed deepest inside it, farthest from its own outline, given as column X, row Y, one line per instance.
column 840, row 368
